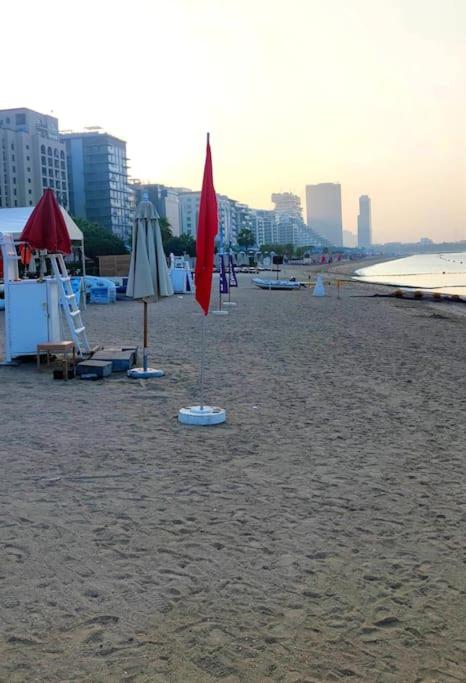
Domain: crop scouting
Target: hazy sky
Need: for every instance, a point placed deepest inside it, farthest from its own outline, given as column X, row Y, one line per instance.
column 369, row 93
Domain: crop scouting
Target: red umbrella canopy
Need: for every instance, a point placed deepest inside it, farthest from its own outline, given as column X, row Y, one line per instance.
column 46, row 227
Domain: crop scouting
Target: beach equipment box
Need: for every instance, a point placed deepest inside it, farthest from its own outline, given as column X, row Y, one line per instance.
column 32, row 315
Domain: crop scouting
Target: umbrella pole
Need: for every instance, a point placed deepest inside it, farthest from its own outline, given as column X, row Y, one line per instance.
column 145, row 363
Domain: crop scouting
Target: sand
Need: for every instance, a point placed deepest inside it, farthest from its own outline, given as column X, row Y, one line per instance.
column 317, row 536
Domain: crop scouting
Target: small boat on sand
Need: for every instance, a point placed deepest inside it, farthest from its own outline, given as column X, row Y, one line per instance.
column 276, row 284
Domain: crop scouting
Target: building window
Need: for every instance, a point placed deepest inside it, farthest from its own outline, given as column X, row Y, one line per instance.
column 42, row 149
column 57, row 163
column 27, row 146
column 62, row 164
column 55, row 153
column 30, row 203
column 29, row 191
column 28, row 169
column 63, row 175
column 29, row 180
column 43, row 160
column 62, row 154
column 20, row 119
column 12, row 145
column 44, row 182
column 49, row 151
column 28, row 158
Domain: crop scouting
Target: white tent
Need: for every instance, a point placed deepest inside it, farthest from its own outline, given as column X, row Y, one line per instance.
column 14, row 220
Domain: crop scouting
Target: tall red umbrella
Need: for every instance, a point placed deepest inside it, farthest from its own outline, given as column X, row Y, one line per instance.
column 46, row 227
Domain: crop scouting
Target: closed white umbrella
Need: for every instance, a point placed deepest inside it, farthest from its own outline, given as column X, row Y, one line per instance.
column 145, row 273
column 140, row 279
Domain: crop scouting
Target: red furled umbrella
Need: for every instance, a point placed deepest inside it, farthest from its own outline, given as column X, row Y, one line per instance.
column 207, row 227
column 46, row 227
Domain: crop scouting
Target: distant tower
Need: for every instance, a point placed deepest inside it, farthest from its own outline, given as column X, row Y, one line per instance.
column 287, row 204
column 365, row 222
column 323, row 203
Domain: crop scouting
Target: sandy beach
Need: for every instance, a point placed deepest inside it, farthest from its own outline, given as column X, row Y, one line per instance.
column 317, row 536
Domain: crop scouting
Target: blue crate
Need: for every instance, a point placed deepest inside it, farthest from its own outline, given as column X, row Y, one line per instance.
column 103, row 295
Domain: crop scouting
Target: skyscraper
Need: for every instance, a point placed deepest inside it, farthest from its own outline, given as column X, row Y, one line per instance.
column 287, row 204
column 32, row 158
column 165, row 199
column 323, row 203
column 227, row 215
column 364, row 222
column 98, row 180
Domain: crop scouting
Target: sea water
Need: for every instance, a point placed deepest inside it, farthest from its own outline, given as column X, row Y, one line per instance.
column 443, row 272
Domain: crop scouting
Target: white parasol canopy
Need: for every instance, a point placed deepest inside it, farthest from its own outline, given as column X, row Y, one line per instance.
column 148, row 272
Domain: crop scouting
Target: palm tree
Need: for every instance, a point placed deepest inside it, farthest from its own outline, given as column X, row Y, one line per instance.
column 166, row 230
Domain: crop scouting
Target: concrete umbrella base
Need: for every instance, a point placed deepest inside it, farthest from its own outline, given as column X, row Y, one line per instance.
column 141, row 373
column 205, row 416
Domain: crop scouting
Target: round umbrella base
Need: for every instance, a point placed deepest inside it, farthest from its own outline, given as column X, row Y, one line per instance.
column 140, row 373
column 219, row 312
column 207, row 415
column 229, row 303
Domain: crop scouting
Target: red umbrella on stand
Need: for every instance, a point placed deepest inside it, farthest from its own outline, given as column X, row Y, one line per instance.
column 46, row 227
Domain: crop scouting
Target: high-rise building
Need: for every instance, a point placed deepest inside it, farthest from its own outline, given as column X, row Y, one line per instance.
column 165, row 199
column 364, row 222
column 349, row 239
column 287, row 204
column 324, row 215
column 265, row 227
column 227, row 215
column 283, row 226
column 32, row 158
column 98, row 180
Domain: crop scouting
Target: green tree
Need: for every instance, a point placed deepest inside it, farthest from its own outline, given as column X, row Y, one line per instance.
column 289, row 249
column 184, row 244
column 300, row 251
column 246, row 238
column 98, row 241
column 166, row 230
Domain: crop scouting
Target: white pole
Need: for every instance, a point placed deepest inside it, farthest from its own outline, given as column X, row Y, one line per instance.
column 201, row 383
column 83, row 278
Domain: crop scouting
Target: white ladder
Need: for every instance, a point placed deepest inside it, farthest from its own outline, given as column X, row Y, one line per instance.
column 10, row 257
column 69, row 304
